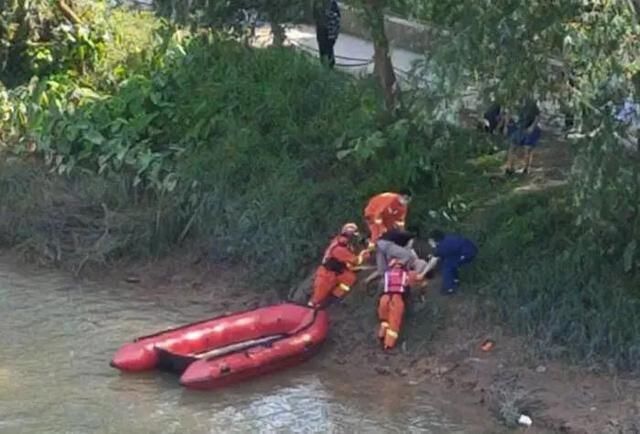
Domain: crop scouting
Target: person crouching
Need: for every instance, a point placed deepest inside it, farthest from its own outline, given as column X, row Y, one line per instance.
column 391, row 306
column 335, row 276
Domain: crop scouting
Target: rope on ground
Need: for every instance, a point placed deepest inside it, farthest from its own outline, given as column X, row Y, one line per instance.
column 354, row 65
column 306, row 47
column 355, row 59
column 404, row 75
column 361, row 62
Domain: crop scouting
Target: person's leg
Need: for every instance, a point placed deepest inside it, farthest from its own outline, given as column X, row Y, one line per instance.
column 511, row 159
column 345, row 282
column 322, row 37
column 323, row 284
column 528, row 159
column 463, row 260
column 569, row 120
column 330, row 52
column 516, row 137
column 383, row 315
column 513, row 138
column 530, row 142
column 396, row 313
column 449, row 273
column 409, row 304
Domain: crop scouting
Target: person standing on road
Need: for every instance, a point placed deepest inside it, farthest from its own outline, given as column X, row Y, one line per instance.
column 326, row 14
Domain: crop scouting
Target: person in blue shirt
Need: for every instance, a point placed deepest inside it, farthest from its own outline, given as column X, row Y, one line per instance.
column 450, row 251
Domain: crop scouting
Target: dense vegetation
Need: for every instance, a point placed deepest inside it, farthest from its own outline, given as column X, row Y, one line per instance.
column 155, row 136
column 260, row 152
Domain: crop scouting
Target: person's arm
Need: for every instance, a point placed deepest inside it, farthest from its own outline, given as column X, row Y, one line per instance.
column 371, row 277
column 381, row 265
column 536, row 119
column 377, row 229
column 430, row 266
column 410, row 245
column 345, row 255
column 504, row 122
column 499, row 120
column 402, row 216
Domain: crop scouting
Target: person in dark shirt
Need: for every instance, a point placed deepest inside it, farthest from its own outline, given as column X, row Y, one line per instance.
column 523, row 132
column 450, row 251
column 493, row 118
column 326, row 14
column 398, row 236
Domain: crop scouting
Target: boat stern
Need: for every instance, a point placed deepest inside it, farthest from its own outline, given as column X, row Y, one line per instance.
column 197, row 376
column 134, row 357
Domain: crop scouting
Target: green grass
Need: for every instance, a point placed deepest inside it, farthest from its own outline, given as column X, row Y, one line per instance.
column 540, row 283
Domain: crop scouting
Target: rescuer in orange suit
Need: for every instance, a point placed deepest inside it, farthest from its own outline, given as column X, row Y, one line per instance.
column 335, row 276
column 392, row 303
column 386, row 211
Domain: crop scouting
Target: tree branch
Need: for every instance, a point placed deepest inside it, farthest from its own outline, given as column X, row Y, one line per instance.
column 68, row 13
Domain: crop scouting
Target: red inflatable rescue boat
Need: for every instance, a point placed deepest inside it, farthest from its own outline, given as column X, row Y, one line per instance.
column 230, row 348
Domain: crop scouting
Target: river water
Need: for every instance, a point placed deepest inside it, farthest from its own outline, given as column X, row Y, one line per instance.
column 57, row 337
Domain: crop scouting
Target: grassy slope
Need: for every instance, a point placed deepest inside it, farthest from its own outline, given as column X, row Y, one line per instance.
column 260, row 131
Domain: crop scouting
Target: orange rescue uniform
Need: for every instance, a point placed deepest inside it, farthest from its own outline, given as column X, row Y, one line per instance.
column 391, row 306
column 383, row 212
column 335, row 276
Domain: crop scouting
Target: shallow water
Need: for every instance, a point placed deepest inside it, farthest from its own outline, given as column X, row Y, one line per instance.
column 58, row 337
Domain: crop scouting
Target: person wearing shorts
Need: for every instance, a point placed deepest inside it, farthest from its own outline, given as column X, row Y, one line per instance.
column 523, row 133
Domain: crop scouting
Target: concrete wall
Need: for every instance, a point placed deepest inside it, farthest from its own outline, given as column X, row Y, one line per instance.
column 408, row 35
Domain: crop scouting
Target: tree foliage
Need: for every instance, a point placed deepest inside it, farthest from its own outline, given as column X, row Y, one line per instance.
column 577, row 56
column 41, row 37
column 233, row 14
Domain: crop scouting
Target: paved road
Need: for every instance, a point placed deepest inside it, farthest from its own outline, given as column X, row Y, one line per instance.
column 355, row 55
column 351, row 51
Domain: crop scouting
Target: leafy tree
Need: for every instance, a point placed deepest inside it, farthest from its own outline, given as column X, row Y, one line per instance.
column 374, row 13
column 578, row 55
column 37, row 35
column 231, row 14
